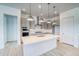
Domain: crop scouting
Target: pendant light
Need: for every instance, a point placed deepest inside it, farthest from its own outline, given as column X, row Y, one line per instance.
column 41, row 15
column 54, row 22
column 30, row 18
column 48, row 21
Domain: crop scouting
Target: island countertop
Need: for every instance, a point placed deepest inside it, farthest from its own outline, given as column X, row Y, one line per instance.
column 37, row 38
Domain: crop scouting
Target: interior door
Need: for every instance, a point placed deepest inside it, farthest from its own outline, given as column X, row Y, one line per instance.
column 67, row 28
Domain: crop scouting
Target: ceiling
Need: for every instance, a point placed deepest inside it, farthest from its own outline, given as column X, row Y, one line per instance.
column 35, row 11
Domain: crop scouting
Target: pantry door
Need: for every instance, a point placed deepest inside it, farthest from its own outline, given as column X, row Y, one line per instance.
column 68, row 30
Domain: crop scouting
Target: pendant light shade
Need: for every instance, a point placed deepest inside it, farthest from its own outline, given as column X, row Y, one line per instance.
column 30, row 18
column 42, row 20
column 48, row 20
column 54, row 22
column 41, row 15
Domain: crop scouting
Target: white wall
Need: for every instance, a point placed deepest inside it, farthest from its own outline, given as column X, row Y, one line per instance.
column 5, row 30
column 75, row 14
column 9, row 11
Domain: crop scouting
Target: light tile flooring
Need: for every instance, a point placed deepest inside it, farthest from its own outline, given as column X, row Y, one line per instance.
column 11, row 49
column 62, row 50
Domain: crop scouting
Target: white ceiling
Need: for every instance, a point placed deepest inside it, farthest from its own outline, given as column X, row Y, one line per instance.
column 60, row 7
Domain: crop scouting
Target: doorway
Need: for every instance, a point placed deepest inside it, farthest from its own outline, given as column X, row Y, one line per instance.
column 10, row 29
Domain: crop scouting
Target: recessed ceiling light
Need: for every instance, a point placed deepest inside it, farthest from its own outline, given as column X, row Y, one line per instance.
column 39, row 6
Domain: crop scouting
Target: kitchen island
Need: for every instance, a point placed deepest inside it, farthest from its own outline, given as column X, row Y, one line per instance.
column 38, row 44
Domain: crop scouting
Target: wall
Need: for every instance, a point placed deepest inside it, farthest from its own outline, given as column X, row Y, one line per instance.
column 5, row 30
column 9, row 11
column 75, row 13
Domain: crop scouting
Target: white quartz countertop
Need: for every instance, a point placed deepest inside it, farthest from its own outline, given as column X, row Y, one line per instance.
column 37, row 38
